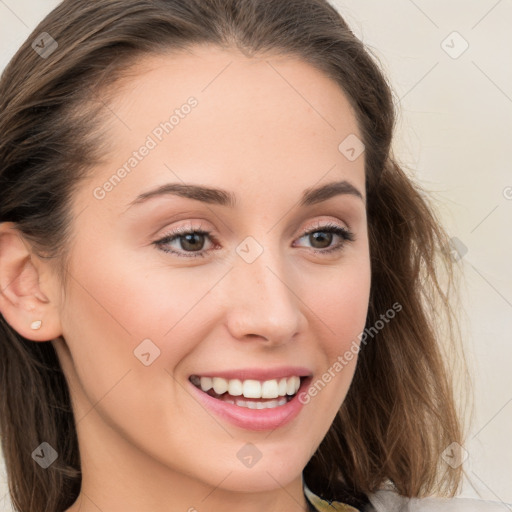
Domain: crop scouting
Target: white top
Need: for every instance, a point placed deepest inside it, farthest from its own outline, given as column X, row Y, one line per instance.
column 390, row 501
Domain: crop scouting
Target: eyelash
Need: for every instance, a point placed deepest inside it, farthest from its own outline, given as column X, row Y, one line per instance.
column 343, row 233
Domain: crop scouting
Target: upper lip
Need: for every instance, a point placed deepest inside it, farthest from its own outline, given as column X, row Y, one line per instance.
column 260, row 374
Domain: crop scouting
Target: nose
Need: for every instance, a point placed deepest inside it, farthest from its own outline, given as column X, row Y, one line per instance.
column 262, row 302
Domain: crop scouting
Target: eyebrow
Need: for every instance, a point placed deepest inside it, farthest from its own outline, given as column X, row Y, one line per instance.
column 221, row 197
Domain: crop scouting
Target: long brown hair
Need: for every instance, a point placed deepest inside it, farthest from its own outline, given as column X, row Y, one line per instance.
column 400, row 412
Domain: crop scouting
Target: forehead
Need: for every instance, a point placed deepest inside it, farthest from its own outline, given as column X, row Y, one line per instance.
column 264, row 121
column 233, row 91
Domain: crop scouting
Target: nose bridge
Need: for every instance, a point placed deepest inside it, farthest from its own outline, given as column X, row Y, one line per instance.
column 263, row 303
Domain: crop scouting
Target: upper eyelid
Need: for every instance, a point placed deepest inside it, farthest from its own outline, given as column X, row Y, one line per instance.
column 321, row 224
column 184, row 230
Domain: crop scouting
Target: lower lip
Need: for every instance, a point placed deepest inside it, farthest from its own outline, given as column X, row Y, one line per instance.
column 254, row 419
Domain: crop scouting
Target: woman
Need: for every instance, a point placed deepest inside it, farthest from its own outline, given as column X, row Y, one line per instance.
column 289, row 360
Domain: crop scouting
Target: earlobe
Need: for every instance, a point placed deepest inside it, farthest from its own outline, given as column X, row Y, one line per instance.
column 23, row 304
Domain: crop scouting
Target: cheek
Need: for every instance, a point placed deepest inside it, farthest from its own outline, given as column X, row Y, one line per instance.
column 112, row 311
column 135, row 299
column 341, row 303
column 115, row 305
column 340, row 309
column 349, row 315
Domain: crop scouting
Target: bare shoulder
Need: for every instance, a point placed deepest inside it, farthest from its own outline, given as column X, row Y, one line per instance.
column 390, row 501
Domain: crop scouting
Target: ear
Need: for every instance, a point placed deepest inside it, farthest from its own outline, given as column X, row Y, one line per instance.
column 27, row 288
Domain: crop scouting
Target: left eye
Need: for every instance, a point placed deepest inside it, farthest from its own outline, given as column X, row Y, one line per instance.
column 327, row 232
column 192, row 240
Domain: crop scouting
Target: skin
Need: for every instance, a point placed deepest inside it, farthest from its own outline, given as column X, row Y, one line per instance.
column 265, row 131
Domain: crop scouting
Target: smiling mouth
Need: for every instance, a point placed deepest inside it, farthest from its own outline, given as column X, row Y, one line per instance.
column 251, row 394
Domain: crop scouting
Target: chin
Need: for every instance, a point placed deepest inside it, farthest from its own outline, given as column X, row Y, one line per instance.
column 266, row 474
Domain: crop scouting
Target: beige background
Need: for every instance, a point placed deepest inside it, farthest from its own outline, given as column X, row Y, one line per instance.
column 454, row 131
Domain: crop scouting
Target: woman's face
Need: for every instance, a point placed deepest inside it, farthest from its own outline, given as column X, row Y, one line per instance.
column 249, row 296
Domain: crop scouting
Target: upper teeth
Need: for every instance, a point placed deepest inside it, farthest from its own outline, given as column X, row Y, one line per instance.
column 250, row 388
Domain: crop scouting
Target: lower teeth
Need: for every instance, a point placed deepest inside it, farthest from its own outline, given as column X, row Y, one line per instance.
column 257, row 405
column 250, row 404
